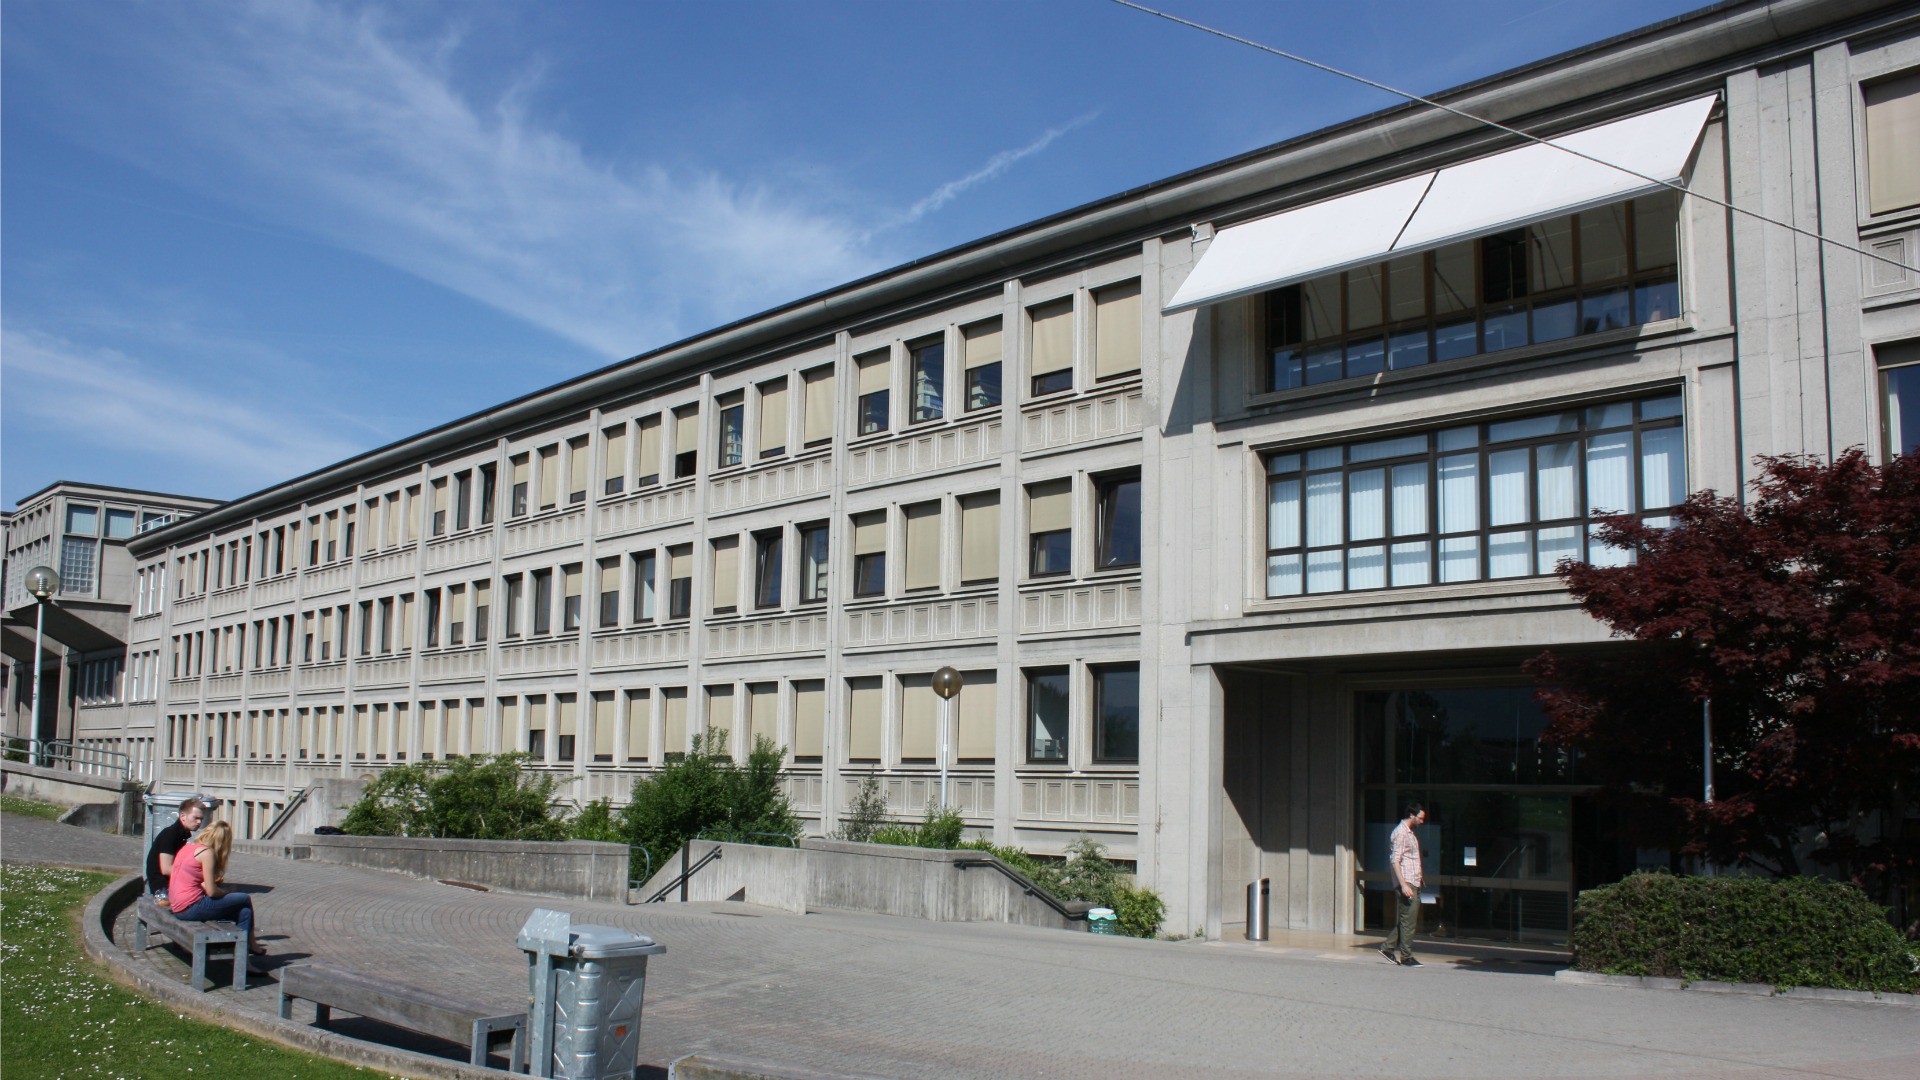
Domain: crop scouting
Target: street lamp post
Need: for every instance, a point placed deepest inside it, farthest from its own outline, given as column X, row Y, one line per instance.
column 42, row 582
column 946, row 683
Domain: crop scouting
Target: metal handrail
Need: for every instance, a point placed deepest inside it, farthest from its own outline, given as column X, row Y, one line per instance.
column 686, row 873
column 299, row 799
column 1025, row 883
column 728, row 838
column 58, row 753
column 631, row 848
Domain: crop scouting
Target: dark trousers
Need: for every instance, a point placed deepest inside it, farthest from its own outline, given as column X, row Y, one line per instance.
column 1406, row 924
column 237, row 906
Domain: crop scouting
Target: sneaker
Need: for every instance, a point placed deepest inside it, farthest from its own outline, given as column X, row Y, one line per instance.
column 1388, row 953
column 1408, row 961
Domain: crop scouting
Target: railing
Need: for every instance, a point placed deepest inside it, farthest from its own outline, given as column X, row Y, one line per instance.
column 686, row 873
column 61, row 754
column 1021, row 880
column 286, row 813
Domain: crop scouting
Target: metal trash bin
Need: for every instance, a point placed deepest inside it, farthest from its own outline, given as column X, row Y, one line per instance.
column 163, row 809
column 1102, row 920
column 586, row 987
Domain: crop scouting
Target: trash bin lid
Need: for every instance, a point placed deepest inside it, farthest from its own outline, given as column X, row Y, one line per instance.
column 175, row 798
column 1100, row 913
column 602, row 942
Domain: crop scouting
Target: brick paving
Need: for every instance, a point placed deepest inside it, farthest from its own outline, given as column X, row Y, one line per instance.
column 877, row 997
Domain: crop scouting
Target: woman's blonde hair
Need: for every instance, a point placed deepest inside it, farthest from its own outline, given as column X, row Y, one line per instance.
column 217, row 838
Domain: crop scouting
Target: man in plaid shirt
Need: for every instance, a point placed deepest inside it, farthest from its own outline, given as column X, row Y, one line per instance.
column 1404, row 859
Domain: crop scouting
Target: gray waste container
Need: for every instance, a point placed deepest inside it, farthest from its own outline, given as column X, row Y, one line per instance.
column 587, row 984
column 163, row 809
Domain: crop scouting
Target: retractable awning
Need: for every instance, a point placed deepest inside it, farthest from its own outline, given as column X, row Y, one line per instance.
column 1513, row 187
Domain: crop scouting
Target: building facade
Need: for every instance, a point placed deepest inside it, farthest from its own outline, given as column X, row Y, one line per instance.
column 1236, row 499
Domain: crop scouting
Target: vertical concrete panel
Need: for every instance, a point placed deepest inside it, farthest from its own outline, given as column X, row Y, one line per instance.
column 1850, row 381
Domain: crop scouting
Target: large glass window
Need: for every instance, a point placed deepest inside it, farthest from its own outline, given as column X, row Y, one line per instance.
column 875, row 400
column 1047, row 715
column 1119, row 508
column 927, row 362
column 1050, row 528
column 1582, row 273
column 767, row 562
column 1116, row 713
column 1893, row 148
column 1900, row 409
column 981, row 342
column 814, row 563
column 870, row 554
column 1505, row 499
column 733, row 430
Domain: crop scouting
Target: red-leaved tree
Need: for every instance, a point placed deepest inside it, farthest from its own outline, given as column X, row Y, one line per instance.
column 1798, row 617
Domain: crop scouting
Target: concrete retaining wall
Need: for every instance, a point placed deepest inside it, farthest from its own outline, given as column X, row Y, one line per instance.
column 880, row 879
column 326, row 804
column 583, row 869
column 119, row 799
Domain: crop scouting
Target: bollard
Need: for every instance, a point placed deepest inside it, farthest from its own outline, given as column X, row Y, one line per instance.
column 1257, row 893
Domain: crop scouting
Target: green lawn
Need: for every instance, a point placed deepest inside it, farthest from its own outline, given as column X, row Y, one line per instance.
column 60, row 1017
column 13, row 805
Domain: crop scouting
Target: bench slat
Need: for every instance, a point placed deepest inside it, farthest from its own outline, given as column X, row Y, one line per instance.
column 411, row 1007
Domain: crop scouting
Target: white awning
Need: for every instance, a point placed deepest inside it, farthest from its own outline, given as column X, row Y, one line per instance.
column 1499, row 191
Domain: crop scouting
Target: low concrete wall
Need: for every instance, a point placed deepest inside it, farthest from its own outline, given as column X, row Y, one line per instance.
column 119, row 799
column 880, row 879
column 583, row 869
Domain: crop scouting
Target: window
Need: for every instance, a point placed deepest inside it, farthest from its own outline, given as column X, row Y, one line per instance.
column 1047, row 715
column 1584, row 273
column 870, row 554
column 386, row 638
column 817, row 423
column 679, row 581
column 809, row 721
column 566, row 722
column 439, row 507
column 482, row 609
column 639, row 724
column 517, row 503
column 570, row 597
column 537, row 727
column 733, row 429
column 433, row 617
column 410, row 513
column 863, row 719
column 80, row 550
column 487, row 494
column 874, row 409
column 604, row 726
column 766, row 569
column 1052, row 360
column 720, row 715
column 649, row 437
column 1893, row 142
column 333, row 539
column 923, row 546
column 1119, row 524
column 686, row 441
column 1116, row 713
column 673, row 723
column 981, row 344
column 763, row 714
column 463, row 499
column 975, row 722
column 814, row 563
column 1116, row 330
column 919, row 720
column 927, row 368
column 1498, row 500
column 119, row 524
column 577, row 470
column 549, row 478
column 1900, row 400
column 1049, row 528
column 609, row 592
column 405, row 618
column 613, row 442
column 643, row 586
column 726, row 575
column 456, row 615
column 773, row 418
column 514, row 585
column 542, row 602
column 980, row 538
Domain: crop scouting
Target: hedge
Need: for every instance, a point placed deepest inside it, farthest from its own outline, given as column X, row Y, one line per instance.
column 1791, row 932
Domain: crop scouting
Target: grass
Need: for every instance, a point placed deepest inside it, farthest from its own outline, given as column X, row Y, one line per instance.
column 63, row 1018
column 15, row 805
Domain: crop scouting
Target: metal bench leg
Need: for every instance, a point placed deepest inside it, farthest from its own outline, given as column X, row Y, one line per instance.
column 477, row 1053
column 517, row 1062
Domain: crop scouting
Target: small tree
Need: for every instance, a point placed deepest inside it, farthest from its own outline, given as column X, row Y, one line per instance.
column 475, row 798
column 708, row 793
column 1798, row 617
column 866, row 814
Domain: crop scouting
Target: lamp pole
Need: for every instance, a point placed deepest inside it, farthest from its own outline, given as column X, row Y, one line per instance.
column 946, row 683
column 42, row 582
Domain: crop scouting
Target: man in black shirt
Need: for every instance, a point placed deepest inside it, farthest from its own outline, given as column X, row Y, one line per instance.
column 168, row 843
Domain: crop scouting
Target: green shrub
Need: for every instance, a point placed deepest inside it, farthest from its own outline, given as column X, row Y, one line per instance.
column 1087, row 875
column 596, row 821
column 941, row 828
column 708, row 794
column 866, row 814
column 1139, row 911
column 1791, row 932
column 474, row 798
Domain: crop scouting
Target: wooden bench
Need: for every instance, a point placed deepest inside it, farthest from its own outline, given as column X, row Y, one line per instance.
column 458, row 1020
column 195, row 937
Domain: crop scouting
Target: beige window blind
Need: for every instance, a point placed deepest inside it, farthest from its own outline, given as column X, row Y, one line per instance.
column 402, row 737
column 673, row 734
column 604, row 726
column 726, row 573
column 720, row 715
column 614, row 464
column 919, row 718
column 809, row 719
column 1052, row 337
column 577, row 466
column 818, row 384
column 1893, row 142
column 981, row 342
column 393, row 518
column 650, row 445
column 686, row 429
column 639, row 724
column 863, row 719
column 875, row 372
column 763, row 712
column 379, row 733
column 406, row 621
column 430, row 737
column 537, row 721
column 980, row 537
column 679, row 563
column 1116, row 330
column 976, row 722
column 566, row 720
column 773, row 416
column 570, row 582
column 549, row 475
column 870, row 533
column 369, row 533
column 1049, row 506
column 923, row 546
column 440, row 501
column 511, row 736
column 477, row 742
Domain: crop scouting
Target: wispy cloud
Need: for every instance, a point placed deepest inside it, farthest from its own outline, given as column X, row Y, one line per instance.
column 164, row 422
column 997, row 164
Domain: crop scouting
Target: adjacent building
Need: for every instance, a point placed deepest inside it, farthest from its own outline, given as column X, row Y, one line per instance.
column 1236, row 498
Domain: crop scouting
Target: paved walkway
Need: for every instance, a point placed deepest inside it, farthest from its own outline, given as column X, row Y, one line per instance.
column 878, row 997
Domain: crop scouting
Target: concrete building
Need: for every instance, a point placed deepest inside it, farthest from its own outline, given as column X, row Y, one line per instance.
column 82, row 532
column 1236, row 497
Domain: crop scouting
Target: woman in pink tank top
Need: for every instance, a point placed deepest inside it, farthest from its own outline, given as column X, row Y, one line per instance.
column 197, row 892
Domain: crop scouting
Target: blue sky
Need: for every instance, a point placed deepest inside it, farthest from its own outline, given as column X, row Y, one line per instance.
column 246, row 239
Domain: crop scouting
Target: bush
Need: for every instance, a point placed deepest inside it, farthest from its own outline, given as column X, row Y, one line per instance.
column 596, row 821
column 942, row 829
column 707, row 794
column 474, row 798
column 866, row 815
column 1790, row 932
column 1087, row 875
